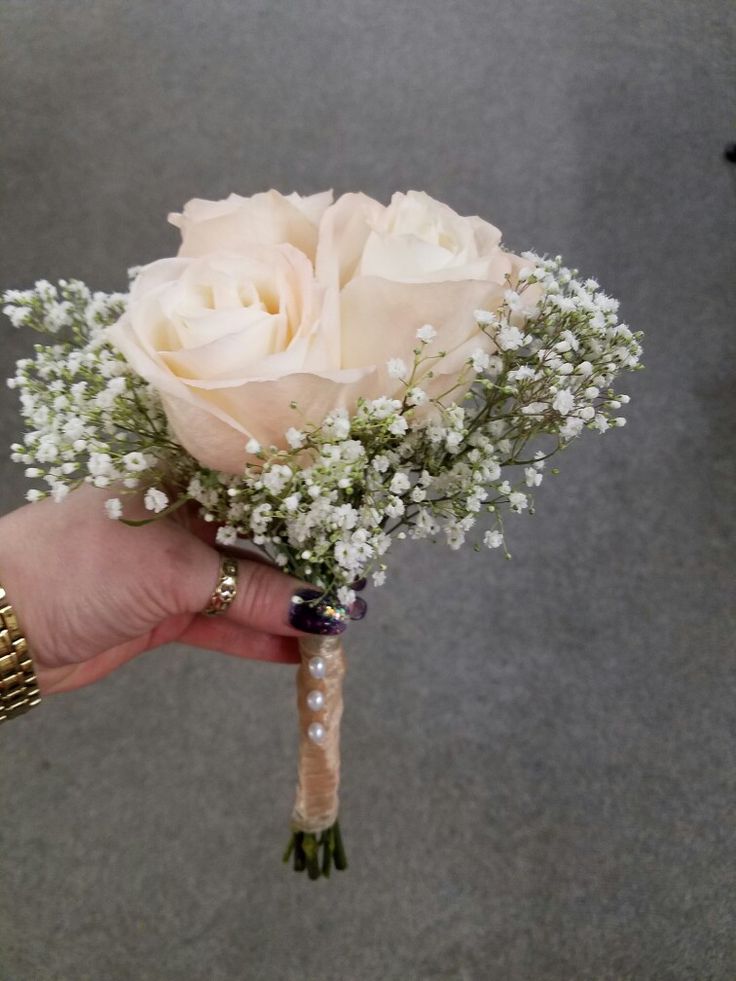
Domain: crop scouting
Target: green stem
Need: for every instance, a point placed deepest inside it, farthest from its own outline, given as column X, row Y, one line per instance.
column 317, row 853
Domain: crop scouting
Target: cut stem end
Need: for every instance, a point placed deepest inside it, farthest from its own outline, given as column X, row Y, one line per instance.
column 317, row 853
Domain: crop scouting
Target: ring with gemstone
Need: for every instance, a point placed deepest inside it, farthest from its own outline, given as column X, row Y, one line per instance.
column 226, row 588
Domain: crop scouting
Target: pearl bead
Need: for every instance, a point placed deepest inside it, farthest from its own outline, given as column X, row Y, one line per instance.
column 317, row 667
column 317, row 732
column 316, row 700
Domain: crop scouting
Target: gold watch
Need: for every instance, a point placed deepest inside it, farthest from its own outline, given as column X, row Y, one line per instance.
column 18, row 688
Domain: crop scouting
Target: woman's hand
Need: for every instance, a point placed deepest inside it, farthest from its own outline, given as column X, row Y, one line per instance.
column 91, row 593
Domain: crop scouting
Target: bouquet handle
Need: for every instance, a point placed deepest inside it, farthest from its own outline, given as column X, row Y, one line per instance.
column 316, row 844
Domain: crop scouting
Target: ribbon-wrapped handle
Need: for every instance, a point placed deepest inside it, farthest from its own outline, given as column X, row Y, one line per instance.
column 319, row 702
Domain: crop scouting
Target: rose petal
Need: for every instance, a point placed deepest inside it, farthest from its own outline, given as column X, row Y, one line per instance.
column 215, row 431
column 343, row 232
column 380, row 318
column 267, row 218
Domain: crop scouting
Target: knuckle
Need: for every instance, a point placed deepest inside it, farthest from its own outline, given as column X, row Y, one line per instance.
column 254, row 592
column 180, row 585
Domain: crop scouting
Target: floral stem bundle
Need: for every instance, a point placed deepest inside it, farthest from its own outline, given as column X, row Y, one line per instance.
column 322, row 378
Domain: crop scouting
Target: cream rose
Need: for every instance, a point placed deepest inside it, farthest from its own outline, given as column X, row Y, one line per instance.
column 398, row 267
column 239, row 325
column 230, row 341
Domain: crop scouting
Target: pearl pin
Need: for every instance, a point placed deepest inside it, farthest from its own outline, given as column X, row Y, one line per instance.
column 316, row 700
column 317, row 667
column 317, row 732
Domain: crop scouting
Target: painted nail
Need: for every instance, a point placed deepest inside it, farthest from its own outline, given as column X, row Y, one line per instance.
column 358, row 608
column 321, row 617
column 359, row 584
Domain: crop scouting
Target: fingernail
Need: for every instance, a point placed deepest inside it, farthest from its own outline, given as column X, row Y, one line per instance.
column 359, row 584
column 358, row 608
column 313, row 615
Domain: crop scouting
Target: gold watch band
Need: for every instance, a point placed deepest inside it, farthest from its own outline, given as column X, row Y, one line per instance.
column 18, row 688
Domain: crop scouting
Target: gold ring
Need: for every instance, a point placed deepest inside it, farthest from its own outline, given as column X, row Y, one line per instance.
column 226, row 588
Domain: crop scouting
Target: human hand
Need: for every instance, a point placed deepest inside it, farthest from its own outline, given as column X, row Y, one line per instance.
column 91, row 593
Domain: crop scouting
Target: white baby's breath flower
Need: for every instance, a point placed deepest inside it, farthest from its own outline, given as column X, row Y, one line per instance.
column 252, row 446
column 114, row 508
column 294, row 438
column 564, row 303
column 453, row 439
column 534, row 408
column 379, row 577
column 59, row 492
column 380, row 463
column 398, row 426
column 395, row 507
column 493, row 539
column 484, row 318
column 480, row 360
column 337, row 425
column 73, row 428
column 226, row 535
column 509, row 338
column 495, row 365
column 515, row 301
column 416, row 396
column 426, row 333
column 382, row 408
column 571, row 428
column 277, row 478
column 396, row 368
column 346, row 596
column 524, row 373
column 135, row 462
column 399, row 483
column 155, row 500
column 100, row 464
column 563, row 401
column 518, row 501
column 261, row 518
column 455, row 536
column 48, row 449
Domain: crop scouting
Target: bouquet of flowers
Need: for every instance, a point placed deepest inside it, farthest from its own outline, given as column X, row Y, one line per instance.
column 322, row 377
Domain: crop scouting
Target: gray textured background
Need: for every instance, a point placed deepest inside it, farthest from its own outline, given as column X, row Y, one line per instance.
column 539, row 754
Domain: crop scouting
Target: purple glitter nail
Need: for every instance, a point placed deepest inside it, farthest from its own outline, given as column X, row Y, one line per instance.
column 316, row 616
column 358, row 608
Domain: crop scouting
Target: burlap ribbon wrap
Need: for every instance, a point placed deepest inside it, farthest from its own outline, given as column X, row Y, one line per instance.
column 316, row 805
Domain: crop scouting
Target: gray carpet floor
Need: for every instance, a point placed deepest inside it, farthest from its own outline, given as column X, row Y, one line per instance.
column 539, row 767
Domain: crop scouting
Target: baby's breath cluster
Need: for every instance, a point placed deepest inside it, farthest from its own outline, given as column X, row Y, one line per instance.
column 327, row 507
column 88, row 417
